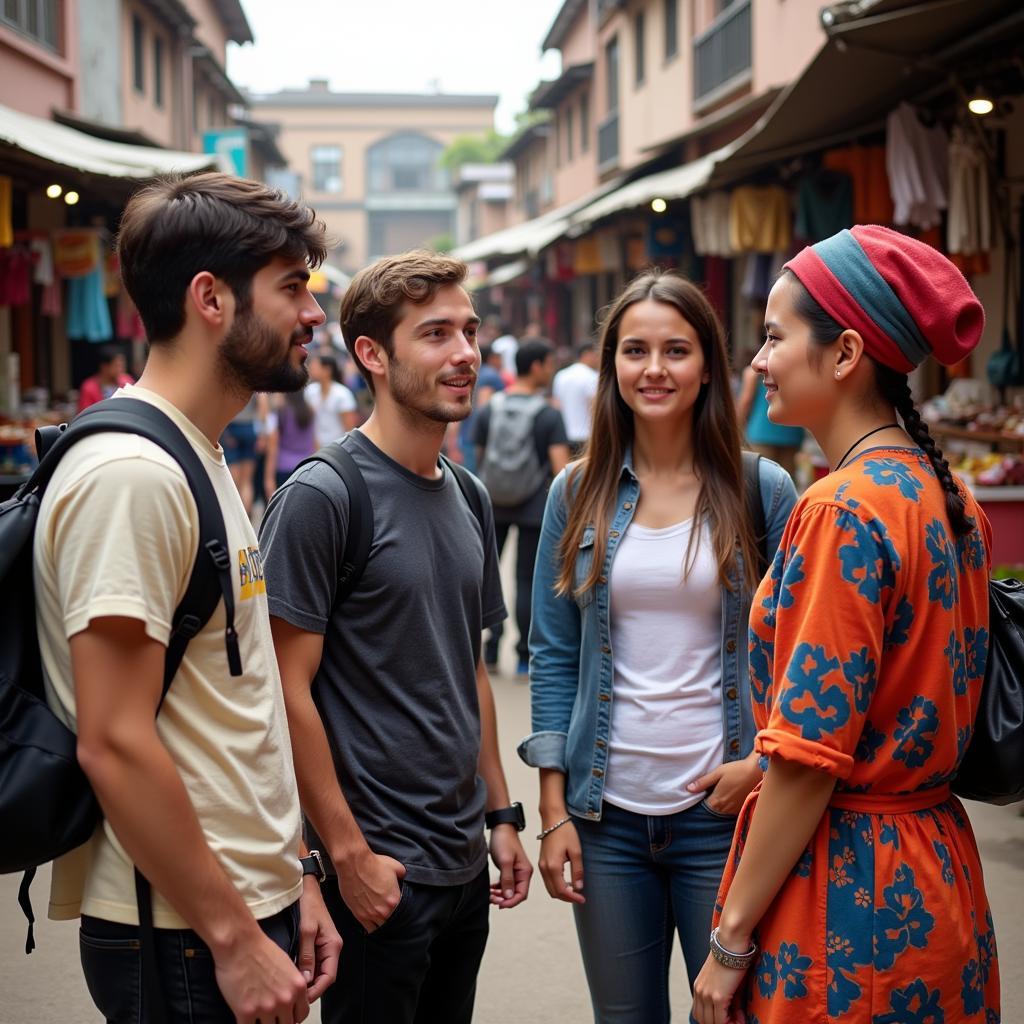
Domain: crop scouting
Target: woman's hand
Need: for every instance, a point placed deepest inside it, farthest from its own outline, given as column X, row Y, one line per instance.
column 557, row 849
column 714, row 994
column 731, row 783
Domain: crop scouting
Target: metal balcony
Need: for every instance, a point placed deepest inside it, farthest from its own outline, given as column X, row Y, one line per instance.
column 722, row 54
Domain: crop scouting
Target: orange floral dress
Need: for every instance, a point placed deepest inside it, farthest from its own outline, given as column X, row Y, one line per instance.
column 868, row 641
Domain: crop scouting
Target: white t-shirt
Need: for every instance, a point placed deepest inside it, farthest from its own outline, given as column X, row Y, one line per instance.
column 507, row 346
column 327, row 412
column 117, row 535
column 666, row 726
column 574, row 389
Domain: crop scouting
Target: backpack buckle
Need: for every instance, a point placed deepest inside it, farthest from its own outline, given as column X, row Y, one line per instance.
column 188, row 627
column 219, row 555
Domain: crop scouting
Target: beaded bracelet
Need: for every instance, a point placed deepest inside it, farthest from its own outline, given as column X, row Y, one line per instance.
column 557, row 824
column 726, row 957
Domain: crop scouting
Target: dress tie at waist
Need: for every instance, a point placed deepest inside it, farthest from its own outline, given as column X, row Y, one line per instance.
column 891, row 803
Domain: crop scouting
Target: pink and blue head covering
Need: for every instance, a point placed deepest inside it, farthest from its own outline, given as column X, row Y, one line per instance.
column 905, row 299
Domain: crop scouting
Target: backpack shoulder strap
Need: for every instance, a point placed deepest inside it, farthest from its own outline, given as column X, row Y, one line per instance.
column 755, row 504
column 359, row 536
column 210, row 580
column 470, row 491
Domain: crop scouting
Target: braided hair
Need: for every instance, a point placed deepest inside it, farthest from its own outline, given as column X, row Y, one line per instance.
column 893, row 388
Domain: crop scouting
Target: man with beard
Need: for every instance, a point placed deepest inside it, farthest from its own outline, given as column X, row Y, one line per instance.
column 202, row 798
column 404, row 716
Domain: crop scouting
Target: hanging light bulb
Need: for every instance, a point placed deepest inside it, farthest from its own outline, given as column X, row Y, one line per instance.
column 53, row 191
column 71, row 198
column 980, row 103
column 659, row 205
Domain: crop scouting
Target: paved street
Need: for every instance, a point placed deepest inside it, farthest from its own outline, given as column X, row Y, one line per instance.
column 532, row 972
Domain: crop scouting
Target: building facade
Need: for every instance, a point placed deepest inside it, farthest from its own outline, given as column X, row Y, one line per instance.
column 370, row 163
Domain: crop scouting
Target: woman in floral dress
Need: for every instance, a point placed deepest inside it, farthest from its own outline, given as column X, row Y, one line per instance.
column 854, row 872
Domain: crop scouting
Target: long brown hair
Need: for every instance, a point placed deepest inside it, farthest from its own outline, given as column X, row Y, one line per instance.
column 593, row 481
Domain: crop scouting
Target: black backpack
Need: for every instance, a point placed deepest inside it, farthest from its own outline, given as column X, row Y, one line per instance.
column 359, row 537
column 47, row 806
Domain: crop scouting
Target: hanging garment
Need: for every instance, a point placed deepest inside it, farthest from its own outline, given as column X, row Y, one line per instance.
column 88, row 313
column 917, row 162
column 716, row 287
column 969, row 229
column 42, row 261
column 872, row 199
column 758, row 277
column 6, row 213
column 50, row 303
column 824, row 205
column 760, row 219
column 76, row 251
column 709, row 217
column 15, row 276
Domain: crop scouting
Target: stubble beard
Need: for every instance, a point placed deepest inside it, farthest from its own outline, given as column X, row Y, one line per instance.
column 249, row 357
column 408, row 392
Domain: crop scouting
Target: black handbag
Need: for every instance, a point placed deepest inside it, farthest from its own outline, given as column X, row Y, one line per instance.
column 992, row 769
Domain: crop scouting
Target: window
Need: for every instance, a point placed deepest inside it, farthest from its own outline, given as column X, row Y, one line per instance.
column 671, row 28
column 36, row 19
column 611, row 58
column 585, row 123
column 639, row 57
column 138, row 56
column 569, row 141
column 326, row 168
column 406, row 163
column 158, row 70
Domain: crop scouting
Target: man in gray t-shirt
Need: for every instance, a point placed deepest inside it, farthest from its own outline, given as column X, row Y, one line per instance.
column 389, row 705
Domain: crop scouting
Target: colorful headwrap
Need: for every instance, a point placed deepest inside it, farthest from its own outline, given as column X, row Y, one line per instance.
column 904, row 298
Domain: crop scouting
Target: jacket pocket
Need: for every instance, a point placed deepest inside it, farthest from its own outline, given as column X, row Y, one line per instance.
column 584, row 562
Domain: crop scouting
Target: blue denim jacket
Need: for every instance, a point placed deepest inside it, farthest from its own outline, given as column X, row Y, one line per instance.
column 571, row 669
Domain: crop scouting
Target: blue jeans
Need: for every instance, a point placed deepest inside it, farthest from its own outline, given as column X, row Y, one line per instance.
column 644, row 877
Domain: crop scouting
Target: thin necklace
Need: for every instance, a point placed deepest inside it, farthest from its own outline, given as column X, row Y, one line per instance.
column 884, row 426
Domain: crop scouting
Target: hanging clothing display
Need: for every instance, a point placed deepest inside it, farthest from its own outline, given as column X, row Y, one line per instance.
column 916, row 158
column 757, row 276
column 824, row 204
column 872, row 198
column 42, row 260
column 709, row 216
column 6, row 213
column 76, row 251
column 760, row 219
column 15, row 276
column 88, row 313
column 969, row 228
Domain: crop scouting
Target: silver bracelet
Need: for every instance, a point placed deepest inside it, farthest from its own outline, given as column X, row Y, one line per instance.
column 557, row 824
column 726, row 957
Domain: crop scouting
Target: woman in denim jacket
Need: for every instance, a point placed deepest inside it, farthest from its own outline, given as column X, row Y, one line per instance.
column 640, row 697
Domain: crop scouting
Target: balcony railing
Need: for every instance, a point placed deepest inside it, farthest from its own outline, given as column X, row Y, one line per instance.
column 608, row 143
column 723, row 52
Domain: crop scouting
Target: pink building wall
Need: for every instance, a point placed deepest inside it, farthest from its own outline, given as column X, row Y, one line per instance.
column 34, row 79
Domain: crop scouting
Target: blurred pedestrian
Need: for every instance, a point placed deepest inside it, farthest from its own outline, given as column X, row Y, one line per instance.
column 573, row 390
column 854, row 890
column 110, row 376
column 638, row 675
column 772, row 440
column 291, row 437
column 334, row 406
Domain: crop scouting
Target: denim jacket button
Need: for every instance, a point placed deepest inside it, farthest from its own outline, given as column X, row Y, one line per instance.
column 731, row 693
column 614, row 533
column 603, row 696
column 730, row 646
column 627, row 505
column 601, row 744
column 598, row 773
column 605, row 649
column 734, row 745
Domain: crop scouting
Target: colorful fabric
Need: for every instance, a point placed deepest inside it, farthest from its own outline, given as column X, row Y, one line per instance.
column 903, row 296
column 6, row 208
column 824, row 204
column 872, row 199
column 868, row 640
column 760, row 219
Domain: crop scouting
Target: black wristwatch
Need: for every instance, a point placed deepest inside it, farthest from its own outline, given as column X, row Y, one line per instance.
column 507, row 816
column 314, row 865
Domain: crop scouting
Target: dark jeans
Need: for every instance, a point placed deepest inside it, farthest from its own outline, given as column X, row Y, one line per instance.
column 113, row 969
column 420, row 966
column 526, row 558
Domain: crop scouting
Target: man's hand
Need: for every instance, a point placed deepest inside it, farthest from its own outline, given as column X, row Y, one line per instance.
column 514, row 869
column 559, row 848
column 368, row 883
column 730, row 784
column 319, row 941
column 260, row 983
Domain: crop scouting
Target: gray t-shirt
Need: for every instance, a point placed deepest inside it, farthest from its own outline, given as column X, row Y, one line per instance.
column 396, row 686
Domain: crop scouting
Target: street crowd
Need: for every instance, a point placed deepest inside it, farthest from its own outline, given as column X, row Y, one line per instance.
column 747, row 704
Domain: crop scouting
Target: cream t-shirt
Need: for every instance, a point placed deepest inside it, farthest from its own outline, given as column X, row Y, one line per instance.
column 117, row 536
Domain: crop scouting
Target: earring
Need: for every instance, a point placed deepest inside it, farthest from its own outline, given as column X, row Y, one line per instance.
column 837, row 374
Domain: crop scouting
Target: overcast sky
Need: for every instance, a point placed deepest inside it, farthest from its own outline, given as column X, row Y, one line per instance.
column 475, row 46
